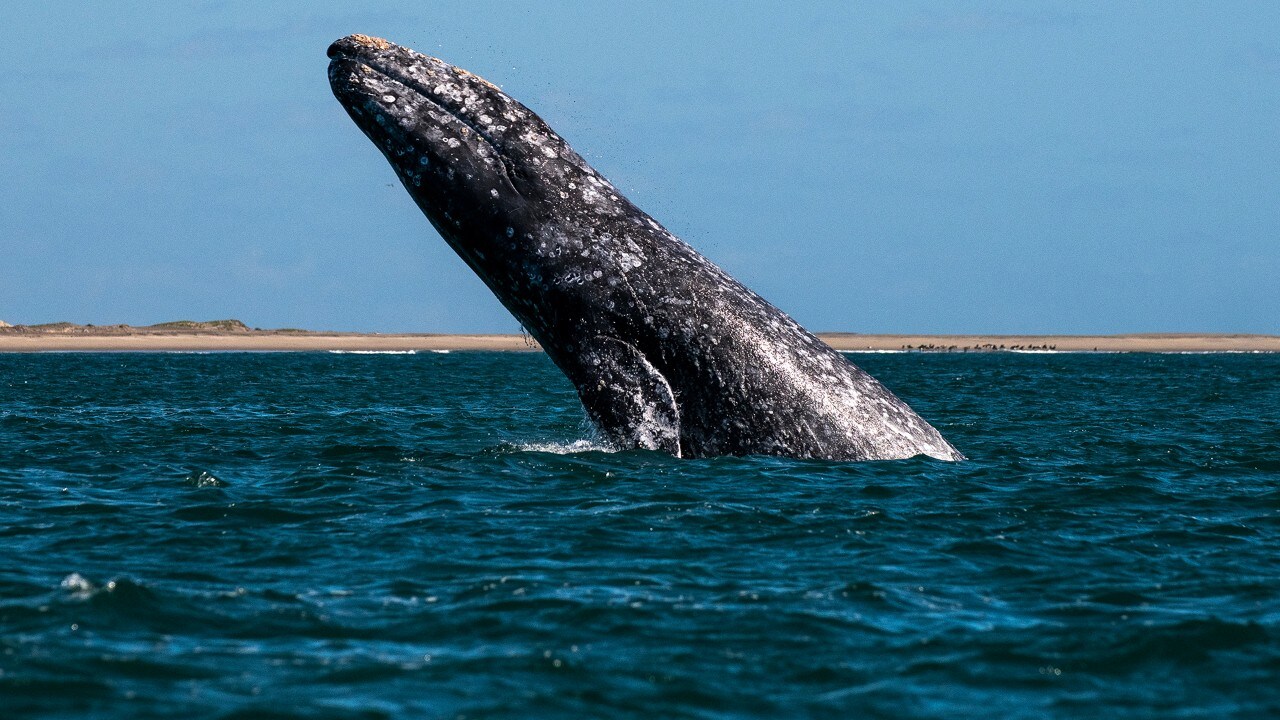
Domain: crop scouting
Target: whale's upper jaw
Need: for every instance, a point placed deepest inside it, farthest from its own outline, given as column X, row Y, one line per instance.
column 364, row 69
column 485, row 170
column 407, row 102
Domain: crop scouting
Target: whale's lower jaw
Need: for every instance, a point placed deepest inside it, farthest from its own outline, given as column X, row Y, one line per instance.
column 666, row 350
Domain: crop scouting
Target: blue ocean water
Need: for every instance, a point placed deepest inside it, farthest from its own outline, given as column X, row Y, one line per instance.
column 421, row 536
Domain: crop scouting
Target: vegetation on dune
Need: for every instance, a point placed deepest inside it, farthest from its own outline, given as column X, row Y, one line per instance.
column 54, row 326
column 230, row 325
column 177, row 326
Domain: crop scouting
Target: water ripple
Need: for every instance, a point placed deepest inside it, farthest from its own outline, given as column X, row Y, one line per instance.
column 318, row 535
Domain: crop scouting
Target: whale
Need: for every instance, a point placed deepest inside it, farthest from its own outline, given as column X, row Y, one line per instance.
column 666, row 350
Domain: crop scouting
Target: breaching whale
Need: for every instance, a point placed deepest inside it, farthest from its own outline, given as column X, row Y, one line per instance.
column 666, row 350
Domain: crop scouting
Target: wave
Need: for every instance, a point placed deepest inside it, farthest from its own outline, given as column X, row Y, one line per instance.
column 375, row 352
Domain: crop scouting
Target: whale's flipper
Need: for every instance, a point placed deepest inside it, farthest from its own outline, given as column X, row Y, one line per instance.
column 627, row 397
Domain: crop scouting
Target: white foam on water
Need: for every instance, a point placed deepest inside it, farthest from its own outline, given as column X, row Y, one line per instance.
column 442, row 352
column 1220, row 352
column 78, row 584
column 567, row 448
column 988, row 351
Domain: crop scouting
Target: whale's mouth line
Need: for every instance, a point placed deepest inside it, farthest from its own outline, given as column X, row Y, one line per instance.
column 509, row 167
column 406, row 80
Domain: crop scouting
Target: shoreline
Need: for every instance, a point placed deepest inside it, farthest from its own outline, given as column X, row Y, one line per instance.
column 15, row 341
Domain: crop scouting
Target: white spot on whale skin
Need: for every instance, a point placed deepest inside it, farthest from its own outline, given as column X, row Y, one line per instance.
column 389, row 98
column 495, row 194
column 452, row 142
column 548, row 152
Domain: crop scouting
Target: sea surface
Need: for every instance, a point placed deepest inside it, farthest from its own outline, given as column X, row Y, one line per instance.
column 314, row 535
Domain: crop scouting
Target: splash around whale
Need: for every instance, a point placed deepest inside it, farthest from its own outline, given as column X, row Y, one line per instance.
column 666, row 350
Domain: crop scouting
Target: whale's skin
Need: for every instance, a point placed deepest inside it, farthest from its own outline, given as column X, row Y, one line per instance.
column 666, row 350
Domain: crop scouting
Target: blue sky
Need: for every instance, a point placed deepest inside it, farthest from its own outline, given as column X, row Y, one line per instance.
column 880, row 167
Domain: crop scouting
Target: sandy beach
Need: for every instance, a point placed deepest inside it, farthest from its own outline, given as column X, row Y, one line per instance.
column 233, row 336
column 1137, row 342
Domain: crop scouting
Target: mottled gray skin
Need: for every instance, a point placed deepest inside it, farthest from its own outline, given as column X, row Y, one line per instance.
column 666, row 350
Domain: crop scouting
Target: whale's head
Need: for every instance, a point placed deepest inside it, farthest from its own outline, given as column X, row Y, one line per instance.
column 550, row 236
column 484, row 168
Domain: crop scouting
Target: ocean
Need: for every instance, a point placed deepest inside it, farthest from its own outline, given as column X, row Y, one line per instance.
column 316, row 535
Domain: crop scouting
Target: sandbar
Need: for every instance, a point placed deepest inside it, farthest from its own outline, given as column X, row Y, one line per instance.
column 234, row 336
